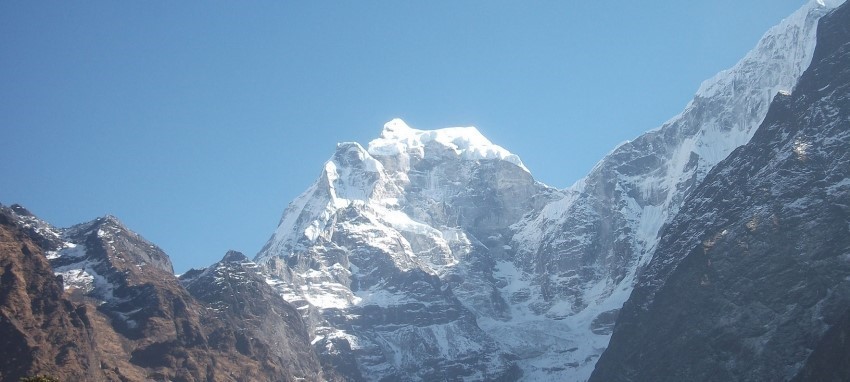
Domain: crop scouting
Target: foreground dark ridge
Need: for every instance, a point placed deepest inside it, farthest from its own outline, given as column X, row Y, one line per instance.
column 751, row 280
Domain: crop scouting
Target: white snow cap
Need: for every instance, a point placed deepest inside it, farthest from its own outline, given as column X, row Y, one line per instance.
column 467, row 142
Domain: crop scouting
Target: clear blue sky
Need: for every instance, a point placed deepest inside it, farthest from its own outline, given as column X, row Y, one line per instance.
column 197, row 122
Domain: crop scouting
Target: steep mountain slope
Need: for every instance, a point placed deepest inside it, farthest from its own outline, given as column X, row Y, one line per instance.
column 752, row 274
column 444, row 221
column 40, row 331
column 830, row 359
column 149, row 326
column 259, row 323
column 585, row 250
column 139, row 322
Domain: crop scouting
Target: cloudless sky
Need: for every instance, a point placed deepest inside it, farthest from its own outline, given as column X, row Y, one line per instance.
column 196, row 123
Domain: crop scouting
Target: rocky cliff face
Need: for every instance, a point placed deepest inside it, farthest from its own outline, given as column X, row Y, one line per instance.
column 115, row 311
column 830, row 359
column 752, row 274
column 244, row 315
column 40, row 330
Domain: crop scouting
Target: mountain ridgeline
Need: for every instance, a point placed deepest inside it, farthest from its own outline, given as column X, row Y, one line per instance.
column 714, row 248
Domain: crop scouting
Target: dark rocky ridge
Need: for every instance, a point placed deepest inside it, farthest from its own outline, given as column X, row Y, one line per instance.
column 750, row 280
column 133, row 320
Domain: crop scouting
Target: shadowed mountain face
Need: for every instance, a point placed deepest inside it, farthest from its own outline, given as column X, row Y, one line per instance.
column 750, row 281
column 115, row 311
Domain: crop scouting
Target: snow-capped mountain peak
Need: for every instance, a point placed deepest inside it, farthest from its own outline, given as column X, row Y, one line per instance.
column 379, row 177
column 380, row 231
column 399, row 139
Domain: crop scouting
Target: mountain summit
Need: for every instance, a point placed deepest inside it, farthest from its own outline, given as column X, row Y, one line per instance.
column 399, row 139
column 393, row 245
